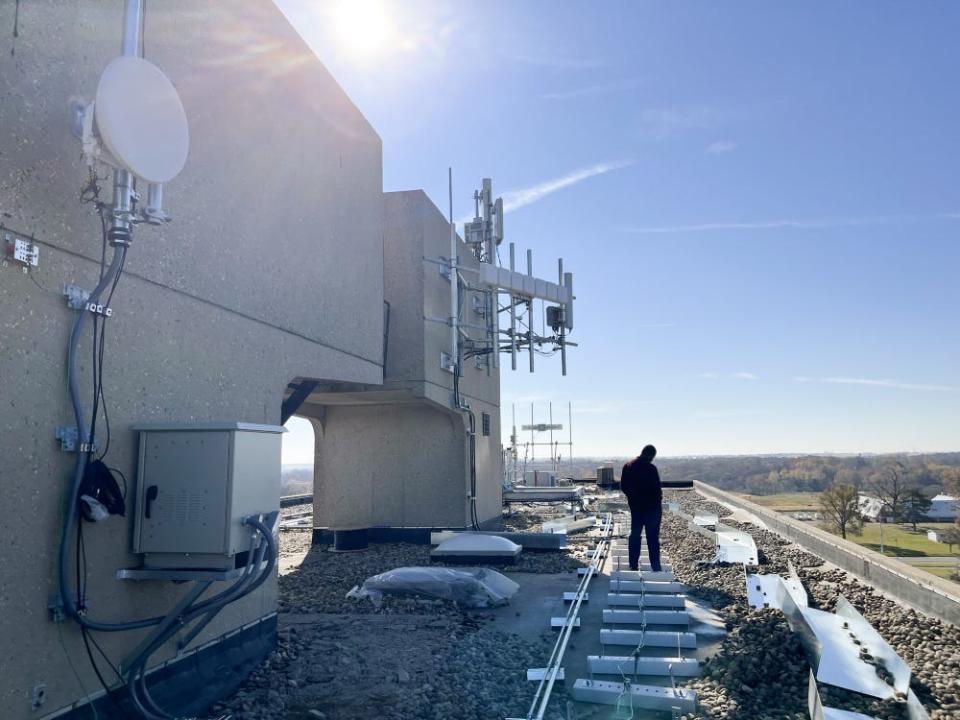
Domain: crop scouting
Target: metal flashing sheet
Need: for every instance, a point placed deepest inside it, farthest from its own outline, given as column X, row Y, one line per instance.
column 706, row 519
column 768, row 590
column 846, row 651
column 736, row 546
column 819, row 712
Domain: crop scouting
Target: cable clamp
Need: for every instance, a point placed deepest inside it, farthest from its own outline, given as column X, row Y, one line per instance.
column 69, row 438
column 98, row 309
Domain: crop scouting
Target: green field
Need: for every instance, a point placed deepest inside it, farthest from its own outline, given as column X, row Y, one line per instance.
column 898, row 540
column 947, row 572
column 901, row 541
column 787, row 502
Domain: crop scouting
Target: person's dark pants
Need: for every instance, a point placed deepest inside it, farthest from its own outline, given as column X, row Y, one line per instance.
column 645, row 520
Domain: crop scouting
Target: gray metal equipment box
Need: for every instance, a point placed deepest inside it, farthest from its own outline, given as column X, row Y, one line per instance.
column 195, row 484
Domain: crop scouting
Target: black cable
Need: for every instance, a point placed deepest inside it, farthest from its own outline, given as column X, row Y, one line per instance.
column 122, row 476
column 16, row 28
column 91, row 193
column 103, row 334
column 36, row 282
column 81, row 591
column 85, row 634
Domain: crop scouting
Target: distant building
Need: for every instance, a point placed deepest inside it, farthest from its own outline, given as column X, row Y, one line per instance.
column 933, row 535
column 874, row 509
column 943, row 508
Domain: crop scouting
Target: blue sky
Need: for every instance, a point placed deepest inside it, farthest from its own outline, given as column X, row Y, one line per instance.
column 759, row 202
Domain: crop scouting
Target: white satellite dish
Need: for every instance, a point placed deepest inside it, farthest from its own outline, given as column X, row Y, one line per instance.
column 141, row 119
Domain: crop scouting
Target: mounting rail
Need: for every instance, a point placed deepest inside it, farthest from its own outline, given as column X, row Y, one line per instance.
column 553, row 671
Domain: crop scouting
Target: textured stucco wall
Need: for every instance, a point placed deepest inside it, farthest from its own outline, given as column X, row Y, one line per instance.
column 390, row 466
column 271, row 269
column 405, row 463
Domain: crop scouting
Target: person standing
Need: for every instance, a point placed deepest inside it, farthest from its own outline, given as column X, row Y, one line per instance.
column 640, row 482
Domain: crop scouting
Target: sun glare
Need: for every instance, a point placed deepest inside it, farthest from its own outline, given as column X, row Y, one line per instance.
column 362, row 27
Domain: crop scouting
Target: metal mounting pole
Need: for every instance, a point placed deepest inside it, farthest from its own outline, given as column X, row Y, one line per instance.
column 563, row 328
column 121, row 225
column 553, row 450
column 454, row 284
column 513, row 312
column 533, row 444
column 530, row 311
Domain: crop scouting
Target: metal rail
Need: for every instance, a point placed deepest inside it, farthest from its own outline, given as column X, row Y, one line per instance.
column 289, row 500
column 541, row 698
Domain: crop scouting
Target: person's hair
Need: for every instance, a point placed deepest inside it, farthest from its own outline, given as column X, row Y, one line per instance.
column 649, row 453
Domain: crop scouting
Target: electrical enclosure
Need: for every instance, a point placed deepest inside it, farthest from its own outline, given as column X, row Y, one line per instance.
column 195, row 484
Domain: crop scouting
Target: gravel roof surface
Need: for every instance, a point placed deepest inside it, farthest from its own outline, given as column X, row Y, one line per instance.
column 341, row 659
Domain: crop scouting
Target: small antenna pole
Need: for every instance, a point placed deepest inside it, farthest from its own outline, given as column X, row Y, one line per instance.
column 513, row 312
column 533, row 444
column 563, row 328
column 454, row 284
column 530, row 311
column 553, row 450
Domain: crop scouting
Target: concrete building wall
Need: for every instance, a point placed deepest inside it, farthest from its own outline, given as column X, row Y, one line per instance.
column 399, row 458
column 272, row 269
column 406, row 465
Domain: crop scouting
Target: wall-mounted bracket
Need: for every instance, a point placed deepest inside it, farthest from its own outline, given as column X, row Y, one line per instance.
column 69, row 438
column 77, row 296
column 19, row 249
column 38, row 695
column 446, row 362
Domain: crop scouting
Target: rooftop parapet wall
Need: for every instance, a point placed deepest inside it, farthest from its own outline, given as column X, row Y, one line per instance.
column 927, row 593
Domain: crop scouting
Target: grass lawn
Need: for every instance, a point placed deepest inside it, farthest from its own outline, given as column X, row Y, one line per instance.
column 787, row 502
column 900, row 540
column 944, row 571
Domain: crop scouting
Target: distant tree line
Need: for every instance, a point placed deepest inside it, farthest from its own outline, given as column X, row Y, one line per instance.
column 894, row 475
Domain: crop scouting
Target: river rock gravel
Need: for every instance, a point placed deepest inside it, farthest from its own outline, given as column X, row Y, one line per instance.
column 413, row 659
column 929, row 646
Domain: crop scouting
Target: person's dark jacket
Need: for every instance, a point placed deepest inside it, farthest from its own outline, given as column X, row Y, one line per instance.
column 640, row 482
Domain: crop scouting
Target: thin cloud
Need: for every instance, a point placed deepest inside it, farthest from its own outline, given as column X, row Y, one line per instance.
column 552, row 60
column 872, row 382
column 720, row 147
column 709, row 375
column 729, row 413
column 515, row 199
column 745, row 376
column 796, row 224
column 591, row 90
column 664, row 123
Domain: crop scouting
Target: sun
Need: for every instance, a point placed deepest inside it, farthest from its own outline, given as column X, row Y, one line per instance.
column 363, row 28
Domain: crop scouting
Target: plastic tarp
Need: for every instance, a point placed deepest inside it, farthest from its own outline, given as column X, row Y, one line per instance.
column 472, row 588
